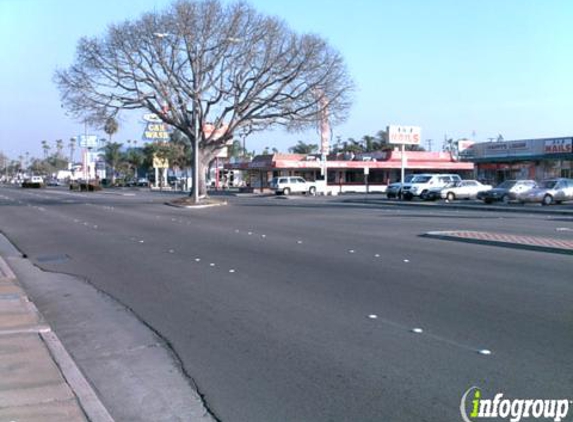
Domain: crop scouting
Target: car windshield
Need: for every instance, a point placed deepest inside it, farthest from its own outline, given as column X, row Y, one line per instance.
column 421, row 179
column 508, row 184
column 548, row 184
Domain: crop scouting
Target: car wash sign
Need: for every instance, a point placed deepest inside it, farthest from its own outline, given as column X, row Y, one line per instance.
column 405, row 135
column 558, row 146
column 155, row 130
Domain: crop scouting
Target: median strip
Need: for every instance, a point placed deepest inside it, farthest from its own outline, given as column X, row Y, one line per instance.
column 542, row 244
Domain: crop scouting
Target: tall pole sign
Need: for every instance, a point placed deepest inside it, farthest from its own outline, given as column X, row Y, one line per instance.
column 404, row 135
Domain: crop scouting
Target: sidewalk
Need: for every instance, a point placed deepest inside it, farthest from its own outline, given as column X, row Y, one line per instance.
column 38, row 379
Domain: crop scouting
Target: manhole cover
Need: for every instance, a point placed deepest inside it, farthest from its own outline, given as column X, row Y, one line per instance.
column 57, row 258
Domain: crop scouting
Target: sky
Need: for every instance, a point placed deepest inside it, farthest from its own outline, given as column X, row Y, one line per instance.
column 457, row 68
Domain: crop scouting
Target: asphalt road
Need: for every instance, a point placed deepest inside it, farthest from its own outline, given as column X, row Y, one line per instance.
column 302, row 309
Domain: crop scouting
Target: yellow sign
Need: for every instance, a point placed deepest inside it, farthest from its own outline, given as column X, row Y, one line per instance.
column 160, row 163
column 156, row 132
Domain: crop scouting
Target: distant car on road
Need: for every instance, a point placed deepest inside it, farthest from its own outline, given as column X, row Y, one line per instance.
column 288, row 185
column 394, row 190
column 553, row 191
column 143, row 182
column 53, row 182
column 507, row 191
column 466, row 189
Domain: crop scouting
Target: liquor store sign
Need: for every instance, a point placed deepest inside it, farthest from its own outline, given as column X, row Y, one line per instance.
column 558, row 146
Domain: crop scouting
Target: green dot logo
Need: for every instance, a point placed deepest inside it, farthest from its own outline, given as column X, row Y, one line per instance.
column 475, row 403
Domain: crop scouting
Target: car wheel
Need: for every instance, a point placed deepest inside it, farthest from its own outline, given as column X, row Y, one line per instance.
column 487, row 201
column 505, row 199
column 312, row 190
column 424, row 195
column 450, row 196
column 547, row 200
column 286, row 191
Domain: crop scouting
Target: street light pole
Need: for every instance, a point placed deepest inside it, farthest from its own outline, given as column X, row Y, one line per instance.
column 196, row 151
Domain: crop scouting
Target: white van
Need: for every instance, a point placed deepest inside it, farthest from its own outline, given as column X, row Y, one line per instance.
column 422, row 183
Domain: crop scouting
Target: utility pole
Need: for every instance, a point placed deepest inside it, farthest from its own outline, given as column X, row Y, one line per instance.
column 429, row 142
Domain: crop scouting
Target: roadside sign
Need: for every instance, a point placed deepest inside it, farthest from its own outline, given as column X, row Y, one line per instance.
column 88, row 141
column 151, row 118
column 404, row 135
column 160, row 163
column 156, row 132
column 366, row 171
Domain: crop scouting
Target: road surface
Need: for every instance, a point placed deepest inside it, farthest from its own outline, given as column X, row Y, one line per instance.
column 304, row 309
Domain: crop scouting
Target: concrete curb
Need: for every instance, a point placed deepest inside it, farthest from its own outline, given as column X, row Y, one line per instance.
column 451, row 236
column 466, row 207
column 196, row 207
column 5, row 271
column 87, row 399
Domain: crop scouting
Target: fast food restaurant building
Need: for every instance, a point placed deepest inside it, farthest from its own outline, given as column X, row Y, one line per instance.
column 535, row 159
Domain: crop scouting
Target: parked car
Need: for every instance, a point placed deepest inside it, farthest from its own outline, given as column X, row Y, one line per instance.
column 143, row 182
column 466, row 189
column 288, row 185
column 394, row 190
column 553, row 191
column 507, row 191
column 422, row 183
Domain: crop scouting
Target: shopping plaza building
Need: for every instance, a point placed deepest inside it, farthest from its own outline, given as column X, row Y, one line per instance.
column 535, row 159
column 347, row 172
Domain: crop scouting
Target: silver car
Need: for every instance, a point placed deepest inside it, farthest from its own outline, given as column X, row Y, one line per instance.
column 466, row 189
column 394, row 190
column 552, row 191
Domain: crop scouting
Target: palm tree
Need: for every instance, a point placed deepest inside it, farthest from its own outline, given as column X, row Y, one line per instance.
column 111, row 127
column 112, row 156
column 370, row 144
column 46, row 148
column 72, row 147
column 303, row 148
column 59, row 147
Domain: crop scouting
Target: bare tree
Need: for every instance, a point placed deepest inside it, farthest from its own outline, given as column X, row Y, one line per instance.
column 208, row 70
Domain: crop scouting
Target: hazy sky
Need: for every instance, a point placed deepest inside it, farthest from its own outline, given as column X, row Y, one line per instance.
column 454, row 67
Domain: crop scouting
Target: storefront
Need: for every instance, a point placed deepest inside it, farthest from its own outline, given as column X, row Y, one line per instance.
column 535, row 159
column 349, row 172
